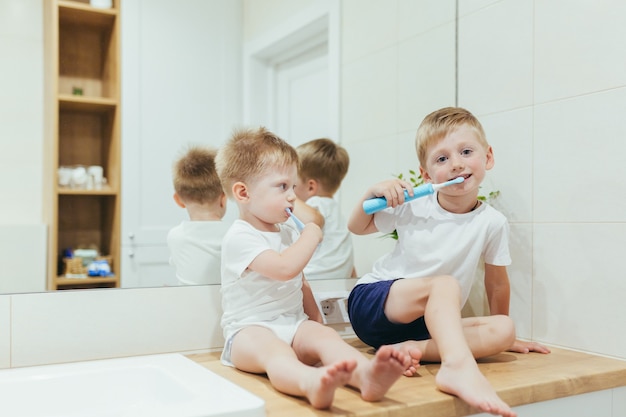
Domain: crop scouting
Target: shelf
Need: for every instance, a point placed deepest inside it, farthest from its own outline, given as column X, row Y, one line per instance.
column 62, row 281
column 83, row 56
column 104, row 191
column 82, row 13
column 88, row 104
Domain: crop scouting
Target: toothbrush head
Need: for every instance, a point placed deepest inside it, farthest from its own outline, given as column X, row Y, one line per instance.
column 457, row 180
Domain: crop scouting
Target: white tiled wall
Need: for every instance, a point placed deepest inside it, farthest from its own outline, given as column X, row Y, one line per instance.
column 550, row 89
column 21, row 111
column 5, row 331
column 69, row 326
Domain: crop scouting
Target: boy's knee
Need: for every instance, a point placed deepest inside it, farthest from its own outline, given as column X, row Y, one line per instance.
column 506, row 328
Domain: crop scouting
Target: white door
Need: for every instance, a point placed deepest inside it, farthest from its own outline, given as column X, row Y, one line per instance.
column 181, row 77
column 302, row 97
column 291, row 76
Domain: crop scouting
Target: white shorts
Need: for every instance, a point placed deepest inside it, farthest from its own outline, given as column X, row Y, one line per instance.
column 285, row 328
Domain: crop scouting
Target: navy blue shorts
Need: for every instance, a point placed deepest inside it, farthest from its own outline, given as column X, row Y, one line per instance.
column 366, row 308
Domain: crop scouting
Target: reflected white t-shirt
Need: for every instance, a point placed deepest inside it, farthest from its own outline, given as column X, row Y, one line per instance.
column 433, row 241
column 334, row 257
column 196, row 251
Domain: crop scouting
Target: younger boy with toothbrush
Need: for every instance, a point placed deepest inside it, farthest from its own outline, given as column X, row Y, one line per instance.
column 413, row 297
column 271, row 321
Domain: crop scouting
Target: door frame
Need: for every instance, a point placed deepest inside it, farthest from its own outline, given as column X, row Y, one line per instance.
column 318, row 23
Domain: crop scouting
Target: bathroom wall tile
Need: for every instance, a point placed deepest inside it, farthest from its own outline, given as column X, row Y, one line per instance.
column 21, row 128
column 426, row 75
column 619, row 402
column 495, row 71
column 377, row 161
column 21, row 107
column 23, row 249
column 470, row 6
column 367, row 27
column 5, row 331
column 406, row 155
column 579, row 286
column 83, row 325
column 577, row 157
column 369, row 97
column 510, row 135
column 23, row 19
column 416, row 17
column 578, row 51
column 521, row 279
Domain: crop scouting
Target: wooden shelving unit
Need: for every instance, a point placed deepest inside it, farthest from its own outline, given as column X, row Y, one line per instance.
column 83, row 128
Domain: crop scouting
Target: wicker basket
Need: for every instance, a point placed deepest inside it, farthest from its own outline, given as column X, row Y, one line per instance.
column 74, row 267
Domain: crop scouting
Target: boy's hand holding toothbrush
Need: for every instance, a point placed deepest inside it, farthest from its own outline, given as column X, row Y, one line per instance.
column 392, row 193
column 309, row 228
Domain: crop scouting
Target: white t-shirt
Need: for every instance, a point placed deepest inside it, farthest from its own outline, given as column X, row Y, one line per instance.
column 334, row 257
column 433, row 241
column 249, row 298
column 195, row 251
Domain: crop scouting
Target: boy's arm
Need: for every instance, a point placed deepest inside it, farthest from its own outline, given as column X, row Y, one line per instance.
column 287, row 264
column 498, row 291
column 308, row 214
column 361, row 223
column 308, row 301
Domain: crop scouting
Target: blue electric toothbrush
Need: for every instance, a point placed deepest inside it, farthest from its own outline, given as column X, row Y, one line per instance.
column 374, row 205
column 296, row 220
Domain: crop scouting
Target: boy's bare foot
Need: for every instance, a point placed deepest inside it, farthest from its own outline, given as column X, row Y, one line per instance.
column 465, row 380
column 383, row 370
column 321, row 390
column 411, row 349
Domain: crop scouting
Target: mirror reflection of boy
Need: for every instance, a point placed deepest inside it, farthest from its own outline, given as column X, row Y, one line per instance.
column 323, row 166
column 195, row 245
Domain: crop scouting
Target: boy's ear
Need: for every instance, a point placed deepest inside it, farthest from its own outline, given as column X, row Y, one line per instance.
column 425, row 175
column 490, row 159
column 312, row 187
column 240, row 192
column 223, row 200
column 178, row 201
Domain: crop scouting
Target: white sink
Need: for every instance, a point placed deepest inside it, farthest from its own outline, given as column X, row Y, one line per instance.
column 156, row 385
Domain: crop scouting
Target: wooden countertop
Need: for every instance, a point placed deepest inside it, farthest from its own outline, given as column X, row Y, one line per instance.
column 518, row 379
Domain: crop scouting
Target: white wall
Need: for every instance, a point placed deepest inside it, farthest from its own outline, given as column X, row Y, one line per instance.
column 548, row 86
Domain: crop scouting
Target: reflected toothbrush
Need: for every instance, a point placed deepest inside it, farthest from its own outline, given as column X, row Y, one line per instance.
column 374, row 205
column 299, row 224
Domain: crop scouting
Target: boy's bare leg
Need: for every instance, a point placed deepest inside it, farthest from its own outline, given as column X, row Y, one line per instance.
column 485, row 336
column 258, row 350
column 438, row 299
column 373, row 377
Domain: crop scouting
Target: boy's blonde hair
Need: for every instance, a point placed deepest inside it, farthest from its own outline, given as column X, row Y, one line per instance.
column 249, row 153
column 440, row 123
column 194, row 176
column 324, row 161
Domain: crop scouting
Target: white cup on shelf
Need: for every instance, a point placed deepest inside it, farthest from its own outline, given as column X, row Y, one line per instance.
column 96, row 172
column 64, row 176
column 79, row 177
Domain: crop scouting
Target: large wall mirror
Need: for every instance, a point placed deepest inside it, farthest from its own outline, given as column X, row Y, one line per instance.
column 192, row 71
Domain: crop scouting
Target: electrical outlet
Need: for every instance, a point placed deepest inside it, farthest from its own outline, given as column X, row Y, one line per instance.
column 334, row 307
